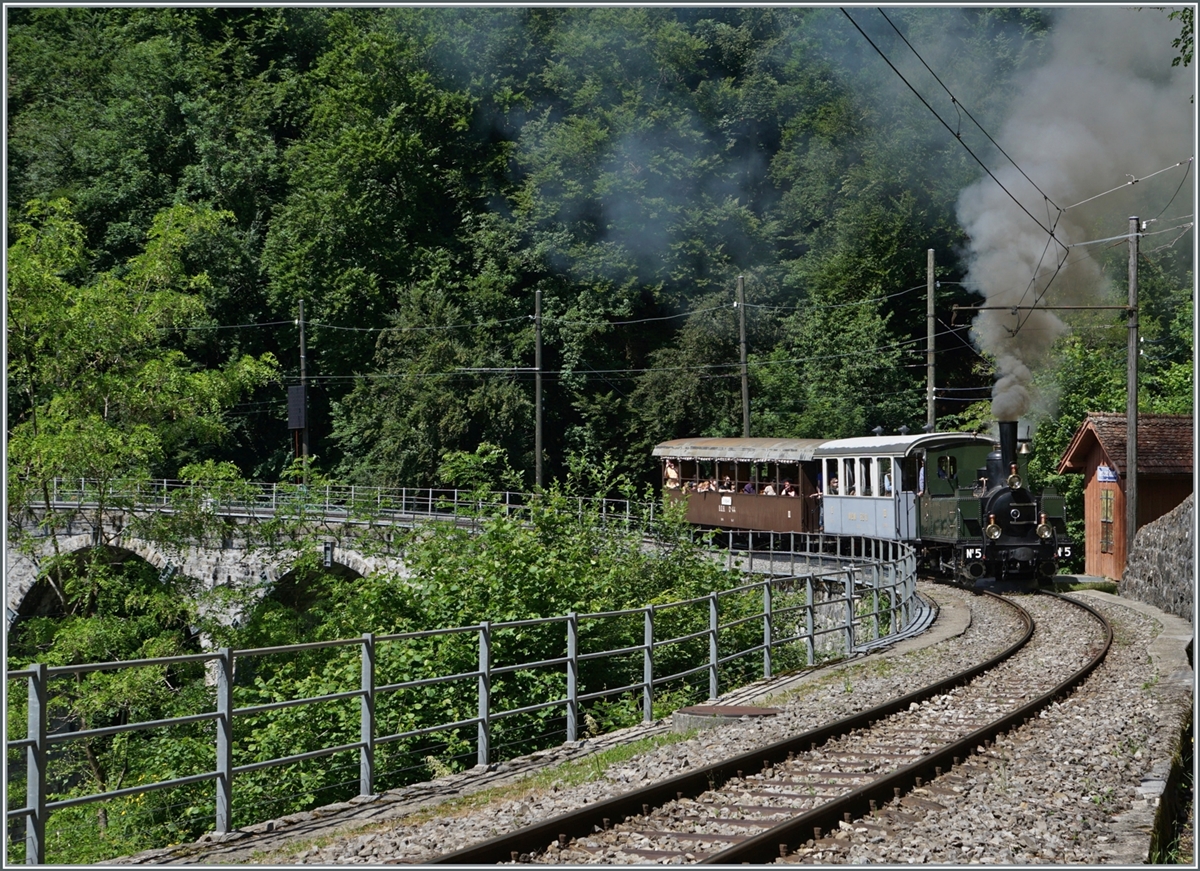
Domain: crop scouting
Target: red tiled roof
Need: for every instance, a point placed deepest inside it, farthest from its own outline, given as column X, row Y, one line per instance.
column 1165, row 443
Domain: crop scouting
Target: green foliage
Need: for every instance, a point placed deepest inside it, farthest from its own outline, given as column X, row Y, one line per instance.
column 1187, row 35
column 106, row 606
column 96, row 388
column 487, row 469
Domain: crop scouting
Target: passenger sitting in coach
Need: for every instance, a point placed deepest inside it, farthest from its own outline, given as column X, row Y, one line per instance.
column 672, row 475
column 769, row 490
column 788, row 489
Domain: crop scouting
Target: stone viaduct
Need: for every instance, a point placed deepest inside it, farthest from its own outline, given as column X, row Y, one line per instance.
column 77, row 526
column 353, row 525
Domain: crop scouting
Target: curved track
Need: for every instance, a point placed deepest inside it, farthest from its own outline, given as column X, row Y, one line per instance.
column 760, row 805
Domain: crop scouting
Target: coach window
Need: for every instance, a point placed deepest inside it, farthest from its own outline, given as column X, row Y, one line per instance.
column 884, row 465
column 866, row 477
column 847, row 478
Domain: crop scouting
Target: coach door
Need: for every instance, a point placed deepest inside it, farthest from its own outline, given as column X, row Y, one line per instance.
column 905, row 471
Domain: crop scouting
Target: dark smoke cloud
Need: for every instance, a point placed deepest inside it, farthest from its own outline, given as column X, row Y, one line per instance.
column 1106, row 106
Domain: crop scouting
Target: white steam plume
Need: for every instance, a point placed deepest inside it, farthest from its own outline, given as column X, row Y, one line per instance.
column 1105, row 106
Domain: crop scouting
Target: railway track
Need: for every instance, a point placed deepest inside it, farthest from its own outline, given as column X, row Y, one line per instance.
column 764, row 804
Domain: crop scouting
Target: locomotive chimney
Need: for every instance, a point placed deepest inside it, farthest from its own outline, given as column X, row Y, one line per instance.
column 1008, row 442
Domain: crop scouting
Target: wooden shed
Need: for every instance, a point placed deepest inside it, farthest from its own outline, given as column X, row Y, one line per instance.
column 1165, row 461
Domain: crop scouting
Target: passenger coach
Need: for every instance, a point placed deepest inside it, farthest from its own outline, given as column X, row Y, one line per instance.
column 869, row 486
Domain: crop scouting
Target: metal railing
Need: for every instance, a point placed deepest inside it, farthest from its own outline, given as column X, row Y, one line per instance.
column 838, row 602
column 350, row 502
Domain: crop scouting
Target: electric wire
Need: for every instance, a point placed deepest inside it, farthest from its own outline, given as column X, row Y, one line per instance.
column 965, row 111
column 1134, row 180
column 935, row 114
column 631, row 371
column 478, row 324
column 809, row 306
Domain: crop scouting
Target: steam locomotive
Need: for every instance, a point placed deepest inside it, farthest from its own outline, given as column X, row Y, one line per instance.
column 959, row 498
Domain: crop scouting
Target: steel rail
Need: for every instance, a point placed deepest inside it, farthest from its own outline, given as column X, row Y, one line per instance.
column 585, row 820
column 785, row 837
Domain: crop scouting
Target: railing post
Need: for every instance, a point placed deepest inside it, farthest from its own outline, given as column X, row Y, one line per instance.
column 35, row 766
column 573, row 676
column 809, row 643
column 224, row 740
column 485, row 687
column 712, row 645
column 366, row 728
column 849, row 612
column 767, row 628
column 648, row 666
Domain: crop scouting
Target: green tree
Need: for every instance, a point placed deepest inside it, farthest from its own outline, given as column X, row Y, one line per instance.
column 99, row 390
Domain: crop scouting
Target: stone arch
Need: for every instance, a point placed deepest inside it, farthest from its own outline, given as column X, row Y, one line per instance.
column 41, row 599
column 296, row 587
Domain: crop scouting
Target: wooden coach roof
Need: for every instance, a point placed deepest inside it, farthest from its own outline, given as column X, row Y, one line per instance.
column 740, row 450
column 762, row 450
column 1165, row 443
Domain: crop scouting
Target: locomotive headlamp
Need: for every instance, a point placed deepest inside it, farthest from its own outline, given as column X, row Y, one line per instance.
column 992, row 531
column 1014, row 480
column 1044, row 530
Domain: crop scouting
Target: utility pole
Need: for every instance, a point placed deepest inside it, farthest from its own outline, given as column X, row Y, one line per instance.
column 930, row 416
column 1131, row 396
column 537, row 389
column 741, row 304
column 297, row 408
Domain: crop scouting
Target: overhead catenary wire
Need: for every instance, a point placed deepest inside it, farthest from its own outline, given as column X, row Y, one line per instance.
column 959, row 106
column 1049, row 232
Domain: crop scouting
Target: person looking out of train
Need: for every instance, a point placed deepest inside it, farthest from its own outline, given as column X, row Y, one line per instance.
column 749, row 488
column 769, row 490
column 672, row 475
column 788, row 489
column 726, row 485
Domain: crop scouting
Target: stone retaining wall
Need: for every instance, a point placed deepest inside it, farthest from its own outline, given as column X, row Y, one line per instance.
column 1160, row 570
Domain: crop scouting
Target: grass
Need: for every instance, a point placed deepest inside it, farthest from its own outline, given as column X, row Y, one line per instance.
column 572, row 773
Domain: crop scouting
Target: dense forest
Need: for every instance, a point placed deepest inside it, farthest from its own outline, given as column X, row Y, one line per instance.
column 182, row 180
column 414, row 176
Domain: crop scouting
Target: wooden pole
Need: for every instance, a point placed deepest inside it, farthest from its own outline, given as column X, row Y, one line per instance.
column 304, row 391
column 1131, row 396
column 741, row 303
column 930, row 415
column 537, row 390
